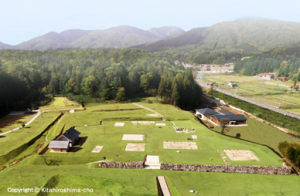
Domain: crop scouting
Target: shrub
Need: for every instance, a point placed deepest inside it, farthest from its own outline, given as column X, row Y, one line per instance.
column 238, row 136
column 22, row 124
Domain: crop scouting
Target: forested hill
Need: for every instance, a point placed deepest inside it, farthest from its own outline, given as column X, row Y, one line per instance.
column 116, row 37
column 283, row 60
column 104, row 74
column 229, row 40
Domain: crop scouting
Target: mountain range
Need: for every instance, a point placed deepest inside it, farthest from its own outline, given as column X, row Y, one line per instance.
column 116, row 37
column 244, row 36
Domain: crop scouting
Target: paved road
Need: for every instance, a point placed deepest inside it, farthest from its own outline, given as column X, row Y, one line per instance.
column 275, row 109
column 28, row 123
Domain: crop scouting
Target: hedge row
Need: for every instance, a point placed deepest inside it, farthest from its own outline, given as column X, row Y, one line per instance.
column 278, row 119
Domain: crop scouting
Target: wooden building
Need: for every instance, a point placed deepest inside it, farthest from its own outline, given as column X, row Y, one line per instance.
column 71, row 135
column 215, row 117
column 59, row 145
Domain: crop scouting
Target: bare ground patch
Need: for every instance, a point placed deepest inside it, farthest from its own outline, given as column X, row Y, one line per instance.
column 135, row 137
column 119, row 124
column 152, row 115
column 135, row 147
column 241, row 155
column 97, row 149
column 180, row 145
column 143, row 122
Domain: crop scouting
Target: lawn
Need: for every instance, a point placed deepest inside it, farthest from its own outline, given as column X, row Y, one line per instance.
column 72, row 172
column 110, row 137
column 60, row 103
column 15, row 140
column 128, row 182
column 260, row 133
column 10, row 122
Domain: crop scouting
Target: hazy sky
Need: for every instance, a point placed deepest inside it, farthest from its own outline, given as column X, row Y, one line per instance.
column 21, row 20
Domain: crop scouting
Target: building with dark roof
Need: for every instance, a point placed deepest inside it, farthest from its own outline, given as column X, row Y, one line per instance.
column 59, row 145
column 72, row 135
column 215, row 117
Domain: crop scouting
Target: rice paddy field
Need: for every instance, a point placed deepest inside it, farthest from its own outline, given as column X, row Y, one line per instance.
column 274, row 93
column 79, row 167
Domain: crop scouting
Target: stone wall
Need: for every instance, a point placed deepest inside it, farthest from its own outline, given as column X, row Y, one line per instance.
column 120, row 165
column 228, row 169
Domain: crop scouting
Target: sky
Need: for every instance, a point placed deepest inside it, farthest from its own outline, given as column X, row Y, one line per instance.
column 21, row 20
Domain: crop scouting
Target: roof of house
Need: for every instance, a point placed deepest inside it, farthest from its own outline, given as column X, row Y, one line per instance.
column 225, row 112
column 72, row 134
column 230, row 117
column 59, row 144
column 206, row 111
column 221, row 114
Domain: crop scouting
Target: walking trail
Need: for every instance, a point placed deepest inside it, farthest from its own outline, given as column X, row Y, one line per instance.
column 150, row 110
column 28, row 123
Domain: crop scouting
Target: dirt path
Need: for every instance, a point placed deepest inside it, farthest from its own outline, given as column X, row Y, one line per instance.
column 28, row 123
column 150, row 110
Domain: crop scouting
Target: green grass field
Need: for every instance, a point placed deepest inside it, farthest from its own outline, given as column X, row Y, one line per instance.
column 74, row 170
column 260, row 133
column 128, row 182
column 110, row 137
column 16, row 139
column 267, row 92
column 13, row 123
column 60, row 103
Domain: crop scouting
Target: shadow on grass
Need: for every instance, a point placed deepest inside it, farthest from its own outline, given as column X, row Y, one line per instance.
column 75, row 149
column 2, row 136
column 81, row 141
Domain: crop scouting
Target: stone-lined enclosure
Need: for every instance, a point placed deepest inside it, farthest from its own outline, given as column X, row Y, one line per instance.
column 228, row 169
column 204, row 168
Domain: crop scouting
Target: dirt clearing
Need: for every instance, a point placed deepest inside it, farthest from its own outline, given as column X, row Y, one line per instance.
column 135, row 147
column 119, row 124
column 134, row 137
column 180, row 145
column 97, row 149
column 241, row 155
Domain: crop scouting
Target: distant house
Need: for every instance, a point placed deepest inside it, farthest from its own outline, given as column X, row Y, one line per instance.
column 71, row 135
column 215, row 117
column 59, row 145
column 267, row 76
column 232, row 84
column 282, row 79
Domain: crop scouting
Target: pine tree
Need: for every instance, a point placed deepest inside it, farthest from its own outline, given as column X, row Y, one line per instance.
column 161, row 88
column 175, row 94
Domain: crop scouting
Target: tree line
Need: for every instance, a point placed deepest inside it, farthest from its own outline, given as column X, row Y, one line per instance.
column 284, row 60
column 104, row 74
column 290, row 151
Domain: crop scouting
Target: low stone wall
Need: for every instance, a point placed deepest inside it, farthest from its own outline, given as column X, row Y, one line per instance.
column 228, row 169
column 120, row 165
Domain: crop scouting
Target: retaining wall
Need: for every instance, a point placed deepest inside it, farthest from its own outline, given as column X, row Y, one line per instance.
column 131, row 165
column 228, row 169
